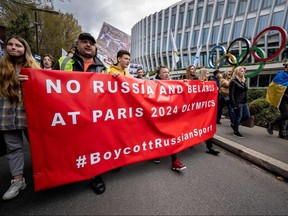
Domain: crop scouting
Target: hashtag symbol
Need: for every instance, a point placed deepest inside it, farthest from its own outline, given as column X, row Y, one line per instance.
column 81, row 161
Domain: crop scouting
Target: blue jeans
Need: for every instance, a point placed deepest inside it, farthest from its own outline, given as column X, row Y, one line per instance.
column 221, row 104
column 242, row 113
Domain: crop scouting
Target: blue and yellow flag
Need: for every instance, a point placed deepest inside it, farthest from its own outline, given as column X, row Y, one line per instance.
column 277, row 88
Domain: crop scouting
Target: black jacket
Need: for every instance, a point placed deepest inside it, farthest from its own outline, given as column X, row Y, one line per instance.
column 237, row 92
column 97, row 66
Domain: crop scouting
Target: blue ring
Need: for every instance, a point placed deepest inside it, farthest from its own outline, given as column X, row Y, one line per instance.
column 211, row 52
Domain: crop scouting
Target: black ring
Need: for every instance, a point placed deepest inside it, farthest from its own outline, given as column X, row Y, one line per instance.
column 248, row 44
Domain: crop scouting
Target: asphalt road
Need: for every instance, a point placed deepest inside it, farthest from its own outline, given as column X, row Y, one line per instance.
column 223, row 185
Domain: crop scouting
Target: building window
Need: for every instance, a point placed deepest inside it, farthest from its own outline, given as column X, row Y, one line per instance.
column 263, row 21
column 277, row 18
column 185, row 61
column 219, row 11
column 215, row 32
column 204, row 36
column 189, row 18
column 185, row 42
column 225, row 32
column 199, row 15
column 195, row 38
column 153, row 27
column 231, row 8
column 253, row 81
column 159, row 26
column 178, row 40
column 209, row 13
column 164, row 44
column 261, row 80
column 242, row 7
column 173, row 18
column 254, row 5
column 180, row 20
column 237, row 29
column 280, row 2
column 285, row 54
column 149, row 27
column 158, row 44
column 264, row 80
column 249, row 27
column 165, row 24
column 266, row 3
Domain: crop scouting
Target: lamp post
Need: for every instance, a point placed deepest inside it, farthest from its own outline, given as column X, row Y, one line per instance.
column 36, row 23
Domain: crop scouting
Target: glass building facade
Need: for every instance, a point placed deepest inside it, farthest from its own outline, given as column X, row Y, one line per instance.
column 206, row 23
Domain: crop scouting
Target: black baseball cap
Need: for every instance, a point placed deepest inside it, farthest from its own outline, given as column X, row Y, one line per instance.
column 88, row 36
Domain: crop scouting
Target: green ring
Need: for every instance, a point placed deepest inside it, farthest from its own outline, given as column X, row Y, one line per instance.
column 262, row 53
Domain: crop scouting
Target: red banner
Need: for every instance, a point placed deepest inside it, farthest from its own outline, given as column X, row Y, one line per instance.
column 84, row 124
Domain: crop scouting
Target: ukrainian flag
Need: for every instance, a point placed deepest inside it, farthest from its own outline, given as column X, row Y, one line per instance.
column 277, row 88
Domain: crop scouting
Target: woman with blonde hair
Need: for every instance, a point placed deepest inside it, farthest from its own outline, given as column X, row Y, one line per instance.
column 224, row 99
column 13, row 120
column 238, row 98
column 204, row 76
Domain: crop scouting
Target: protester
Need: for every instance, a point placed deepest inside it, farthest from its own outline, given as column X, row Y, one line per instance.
column 238, row 97
column 163, row 73
column 224, row 99
column 47, row 62
column 140, row 73
column 13, row 117
column 84, row 59
column 216, row 77
column 123, row 61
column 279, row 85
column 191, row 73
column 204, row 76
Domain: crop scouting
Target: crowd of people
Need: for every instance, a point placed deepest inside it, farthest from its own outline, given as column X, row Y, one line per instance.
column 232, row 93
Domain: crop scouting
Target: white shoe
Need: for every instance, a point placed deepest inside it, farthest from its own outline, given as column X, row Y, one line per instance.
column 13, row 191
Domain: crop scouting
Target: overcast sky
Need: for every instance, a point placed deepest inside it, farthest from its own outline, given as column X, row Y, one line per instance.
column 122, row 14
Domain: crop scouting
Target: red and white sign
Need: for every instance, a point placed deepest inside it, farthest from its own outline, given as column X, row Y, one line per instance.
column 84, row 124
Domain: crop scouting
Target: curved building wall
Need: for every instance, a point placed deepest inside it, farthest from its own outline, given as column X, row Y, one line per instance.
column 206, row 23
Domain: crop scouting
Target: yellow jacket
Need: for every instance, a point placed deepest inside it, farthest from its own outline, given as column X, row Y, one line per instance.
column 114, row 69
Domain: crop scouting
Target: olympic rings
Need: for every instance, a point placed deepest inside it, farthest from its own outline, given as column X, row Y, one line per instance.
column 211, row 52
column 245, row 54
column 248, row 45
column 281, row 48
column 230, row 57
column 261, row 65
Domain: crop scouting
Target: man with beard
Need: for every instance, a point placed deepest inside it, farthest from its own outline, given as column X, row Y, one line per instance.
column 84, row 59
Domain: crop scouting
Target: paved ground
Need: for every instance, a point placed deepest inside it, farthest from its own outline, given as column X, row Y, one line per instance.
column 264, row 150
column 222, row 185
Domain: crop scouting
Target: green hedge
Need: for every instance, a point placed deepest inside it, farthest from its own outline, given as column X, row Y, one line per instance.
column 260, row 108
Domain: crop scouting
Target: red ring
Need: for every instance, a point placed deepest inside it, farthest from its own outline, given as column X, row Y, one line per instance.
column 283, row 35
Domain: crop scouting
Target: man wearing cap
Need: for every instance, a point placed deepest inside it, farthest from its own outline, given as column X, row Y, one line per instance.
column 84, row 59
